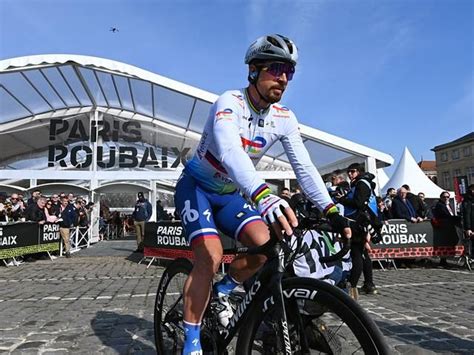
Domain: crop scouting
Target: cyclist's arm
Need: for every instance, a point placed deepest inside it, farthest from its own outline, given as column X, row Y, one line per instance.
column 306, row 173
column 230, row 152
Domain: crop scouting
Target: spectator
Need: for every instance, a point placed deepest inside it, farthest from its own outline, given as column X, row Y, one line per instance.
column 55, row 205
column 467, row 211
column 339, row 186
column 18, row 207
column 35, row 212
column 402, row 207
column 384, row 213
column 71, row 198
column 176, row 215
column 424, row 207
column 82, row 220
column 415, row 202
column 285, row 194
column 391, row 193
column 3, row 208
column 357, row 205
column 49, row 212
column 36, row 194
column 160, row 211
column 444, row 216
column 141, row 215
column 66, row 222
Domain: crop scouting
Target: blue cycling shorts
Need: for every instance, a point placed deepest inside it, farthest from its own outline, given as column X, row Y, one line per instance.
column 203, row 213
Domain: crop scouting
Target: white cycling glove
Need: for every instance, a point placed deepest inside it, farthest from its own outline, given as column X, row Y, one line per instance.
column 269, row 208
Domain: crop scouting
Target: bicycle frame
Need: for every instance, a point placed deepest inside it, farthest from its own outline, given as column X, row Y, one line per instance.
column 270, row 275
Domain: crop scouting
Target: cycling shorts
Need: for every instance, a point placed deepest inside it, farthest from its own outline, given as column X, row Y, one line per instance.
column 203, row 213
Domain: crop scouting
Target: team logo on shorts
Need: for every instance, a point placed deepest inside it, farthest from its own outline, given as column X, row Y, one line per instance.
column 254, row 146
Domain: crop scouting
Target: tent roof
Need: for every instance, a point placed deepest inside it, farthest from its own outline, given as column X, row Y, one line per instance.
column 35, row 89
column 408, row 172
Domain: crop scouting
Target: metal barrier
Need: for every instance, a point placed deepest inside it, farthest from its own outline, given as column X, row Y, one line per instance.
column 80, row 237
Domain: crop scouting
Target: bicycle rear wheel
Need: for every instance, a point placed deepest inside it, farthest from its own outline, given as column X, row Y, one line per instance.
column 321, row 320
column 168, row 314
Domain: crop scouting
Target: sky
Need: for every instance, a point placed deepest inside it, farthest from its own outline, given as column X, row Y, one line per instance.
column 382, row 73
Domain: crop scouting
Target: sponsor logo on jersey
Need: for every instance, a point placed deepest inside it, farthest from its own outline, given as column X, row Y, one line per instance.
column 281, row 111
column 240, row 99
column 224, row 114
column 254, row 146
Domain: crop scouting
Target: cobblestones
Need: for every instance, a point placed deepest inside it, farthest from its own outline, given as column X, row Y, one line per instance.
column 104, row 305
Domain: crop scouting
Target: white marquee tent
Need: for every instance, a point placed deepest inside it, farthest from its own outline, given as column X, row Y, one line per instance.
column 408, row 172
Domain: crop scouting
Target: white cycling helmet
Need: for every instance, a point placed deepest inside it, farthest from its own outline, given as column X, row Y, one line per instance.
column 272, row 47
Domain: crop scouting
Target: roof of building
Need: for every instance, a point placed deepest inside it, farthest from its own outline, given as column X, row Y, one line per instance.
column 427, row 165
column 37, row 89
column 464, row 139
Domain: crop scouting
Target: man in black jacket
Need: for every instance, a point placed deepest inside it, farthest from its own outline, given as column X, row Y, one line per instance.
column 356, row 205
column 416, row 202
column 467, row 211
column 68, row 219
column 35, row 211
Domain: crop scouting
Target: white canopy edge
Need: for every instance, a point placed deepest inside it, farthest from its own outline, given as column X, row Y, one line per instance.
column 20, row 63
column 122, row 175
column 13, row 64
column 343, row 144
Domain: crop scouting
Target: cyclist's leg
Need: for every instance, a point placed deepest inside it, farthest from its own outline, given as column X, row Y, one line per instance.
column 197, row 218
column 207, row 258
column 239, row 220
column 244, row 266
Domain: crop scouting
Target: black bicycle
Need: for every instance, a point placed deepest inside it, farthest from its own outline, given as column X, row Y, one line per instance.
column 276, row 314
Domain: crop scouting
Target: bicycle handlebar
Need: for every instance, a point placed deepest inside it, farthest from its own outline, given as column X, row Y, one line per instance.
column 306, row 223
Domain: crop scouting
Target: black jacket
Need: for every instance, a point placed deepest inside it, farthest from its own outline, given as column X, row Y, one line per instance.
column 400, row 209
column 467, row 210
column 417, row 204
column 362, row 192
column 35, row 213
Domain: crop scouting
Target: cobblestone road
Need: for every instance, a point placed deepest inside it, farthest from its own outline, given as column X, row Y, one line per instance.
column 93, row 304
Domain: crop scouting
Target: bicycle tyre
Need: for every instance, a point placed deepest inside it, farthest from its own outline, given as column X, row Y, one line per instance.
column 169, row 307
column 332, row 302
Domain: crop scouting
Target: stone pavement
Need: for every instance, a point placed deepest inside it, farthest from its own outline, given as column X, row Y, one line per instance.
column 96, row 304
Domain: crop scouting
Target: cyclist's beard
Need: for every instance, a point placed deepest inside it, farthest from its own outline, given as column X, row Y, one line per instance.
column 270, row 97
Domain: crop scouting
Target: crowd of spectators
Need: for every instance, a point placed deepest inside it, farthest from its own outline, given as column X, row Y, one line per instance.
column 43, row 209
column 67, row 210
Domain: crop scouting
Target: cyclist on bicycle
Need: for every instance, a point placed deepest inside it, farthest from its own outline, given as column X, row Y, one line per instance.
column 241, row 127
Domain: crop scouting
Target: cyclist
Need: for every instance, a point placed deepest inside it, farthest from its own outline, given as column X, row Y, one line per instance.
column 242, row 125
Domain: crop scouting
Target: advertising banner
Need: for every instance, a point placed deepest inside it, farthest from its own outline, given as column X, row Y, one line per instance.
column 167, row 240
column 24, row 238
column 402, row 239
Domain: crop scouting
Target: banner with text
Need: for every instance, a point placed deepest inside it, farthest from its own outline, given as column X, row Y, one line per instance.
column 24, row 238
column 167, row 240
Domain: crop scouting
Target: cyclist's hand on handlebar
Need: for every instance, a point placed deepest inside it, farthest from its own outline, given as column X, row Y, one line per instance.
column 277, row 213
column 339, row 223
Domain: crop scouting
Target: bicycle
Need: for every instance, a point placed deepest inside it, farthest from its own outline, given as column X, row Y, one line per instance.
column 277, row 314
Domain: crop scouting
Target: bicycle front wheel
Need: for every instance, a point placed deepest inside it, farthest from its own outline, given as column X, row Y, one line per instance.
column 168, row 315
column 321, row 319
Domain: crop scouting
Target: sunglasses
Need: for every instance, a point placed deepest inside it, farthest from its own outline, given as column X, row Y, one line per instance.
column 446, row 196
column 352, row 171
column 277, row 69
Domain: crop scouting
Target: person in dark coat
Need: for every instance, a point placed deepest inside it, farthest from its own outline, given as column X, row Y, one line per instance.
column 402, row 208
column 68, row 219
column 356, row 205
column 141, row 215
column 415, row 201
column 444, row 216
column 467, row 211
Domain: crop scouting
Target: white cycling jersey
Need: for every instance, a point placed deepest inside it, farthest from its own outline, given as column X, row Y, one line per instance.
column 236, row 136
